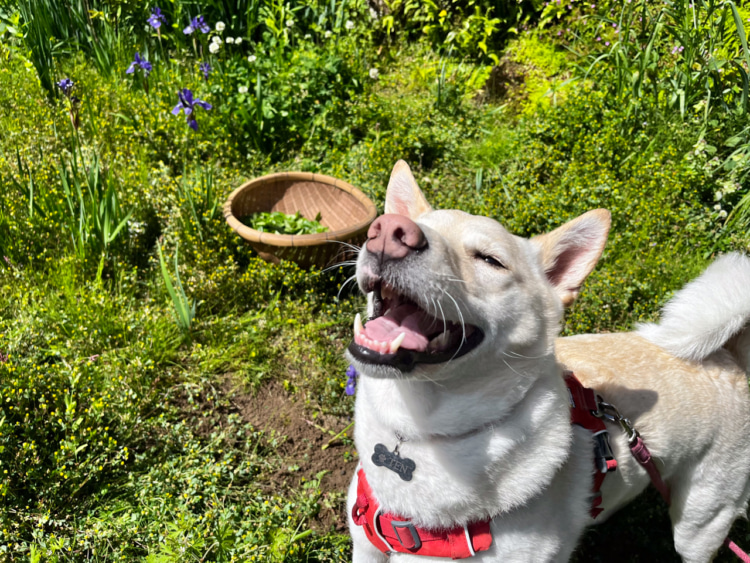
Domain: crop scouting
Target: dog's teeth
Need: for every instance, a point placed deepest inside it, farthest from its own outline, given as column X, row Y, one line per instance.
column 440, row 341
column 396, row 344
column 386, row 292
column 358, row 324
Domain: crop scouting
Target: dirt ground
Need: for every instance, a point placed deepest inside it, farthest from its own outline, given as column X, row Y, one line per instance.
column 300, row 452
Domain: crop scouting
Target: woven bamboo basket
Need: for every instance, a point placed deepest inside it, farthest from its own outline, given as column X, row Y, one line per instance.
column 345, row 210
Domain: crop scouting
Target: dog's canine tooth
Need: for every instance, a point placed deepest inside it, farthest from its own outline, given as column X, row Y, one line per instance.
column 396, row 344
column 358, row 327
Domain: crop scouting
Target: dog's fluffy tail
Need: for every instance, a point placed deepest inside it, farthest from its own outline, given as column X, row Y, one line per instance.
column 708, row 313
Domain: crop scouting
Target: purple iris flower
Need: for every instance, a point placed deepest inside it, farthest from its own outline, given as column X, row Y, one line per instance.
column 187, row 104
column 351, row 383
column 144, row 65
column 205, row 68
column 197, row 23
column 156, row 18
column 66, row 85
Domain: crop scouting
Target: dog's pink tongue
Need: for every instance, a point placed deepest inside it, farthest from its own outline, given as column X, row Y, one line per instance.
column 404, row 319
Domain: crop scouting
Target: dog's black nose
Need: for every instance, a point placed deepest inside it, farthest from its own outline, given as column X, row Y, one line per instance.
column 394, row 236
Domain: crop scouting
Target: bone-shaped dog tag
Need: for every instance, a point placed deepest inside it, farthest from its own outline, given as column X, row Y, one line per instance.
column 402, row 466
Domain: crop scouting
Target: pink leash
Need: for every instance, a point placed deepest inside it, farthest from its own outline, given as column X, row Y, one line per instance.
column 643, row 457
column 744, row 557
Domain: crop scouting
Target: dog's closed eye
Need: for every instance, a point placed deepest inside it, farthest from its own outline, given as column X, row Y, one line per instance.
column 492, row 261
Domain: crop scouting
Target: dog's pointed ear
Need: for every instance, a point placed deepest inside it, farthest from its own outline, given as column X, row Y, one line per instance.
column 570, row 252
column 403, row 196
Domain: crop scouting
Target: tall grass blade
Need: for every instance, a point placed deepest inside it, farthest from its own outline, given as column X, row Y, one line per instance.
column 184, row 312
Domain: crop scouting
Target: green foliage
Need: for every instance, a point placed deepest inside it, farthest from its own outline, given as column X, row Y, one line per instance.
column 699, row 67
column 279, row 98
column 199, row 204
column 474, row 28
column 183, row 310
column 93, row 215
column 283, row 223
column 57, row 27
column 543, row 65
column 119, row 426
column 103, row 448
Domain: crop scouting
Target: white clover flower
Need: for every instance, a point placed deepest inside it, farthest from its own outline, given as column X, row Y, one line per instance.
column 717, row 207
column 328, row 33
column 237, row 40
column 214, row 48
column 220, row 26
column 229, row 40
column 722, row 214
column 242, row 89
column 251, row 58
column 374, row 73
column 349, row 24
column 729, row 187
column 308, row 36
column 290, row 23
column 718, row 195
column 136, row 228
column 373, row 13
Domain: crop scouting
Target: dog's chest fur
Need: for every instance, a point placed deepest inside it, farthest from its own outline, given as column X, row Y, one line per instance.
column 474, row 464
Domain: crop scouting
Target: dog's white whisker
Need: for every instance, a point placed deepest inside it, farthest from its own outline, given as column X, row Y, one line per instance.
column 517, row 356
column 338, row 265
column 463, row 325
column 343, row 285
column 346, row 244
column 525, row 376
column 442, row 315
column 460, row 316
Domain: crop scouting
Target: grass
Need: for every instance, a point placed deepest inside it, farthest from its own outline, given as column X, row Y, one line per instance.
column 134, row 325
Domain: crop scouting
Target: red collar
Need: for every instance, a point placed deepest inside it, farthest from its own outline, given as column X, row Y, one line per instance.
column 389, row 532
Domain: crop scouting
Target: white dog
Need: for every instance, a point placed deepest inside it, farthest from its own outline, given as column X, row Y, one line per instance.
column 463, row 420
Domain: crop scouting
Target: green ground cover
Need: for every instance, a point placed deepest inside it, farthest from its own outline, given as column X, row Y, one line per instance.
column 139, row 335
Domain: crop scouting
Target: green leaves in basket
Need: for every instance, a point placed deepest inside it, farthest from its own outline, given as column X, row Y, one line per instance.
column 283, row 224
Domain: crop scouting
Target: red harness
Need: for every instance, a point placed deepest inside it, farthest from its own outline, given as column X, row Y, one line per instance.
column 389, row 532
column 583, row 405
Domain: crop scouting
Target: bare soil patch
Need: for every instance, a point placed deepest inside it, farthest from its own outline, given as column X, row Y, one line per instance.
column 506, row 82
column 300, row 451
column 299, row 456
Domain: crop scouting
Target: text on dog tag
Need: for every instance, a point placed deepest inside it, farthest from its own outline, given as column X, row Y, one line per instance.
column 402, row 466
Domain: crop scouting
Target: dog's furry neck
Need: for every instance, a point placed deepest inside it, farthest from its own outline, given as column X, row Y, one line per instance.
column 419, row 407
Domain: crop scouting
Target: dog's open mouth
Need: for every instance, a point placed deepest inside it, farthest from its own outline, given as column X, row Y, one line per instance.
column 401, row 334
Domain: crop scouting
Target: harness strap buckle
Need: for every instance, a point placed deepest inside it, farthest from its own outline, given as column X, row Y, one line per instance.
column 614, row 416
column 413, row 542
column 603, row 454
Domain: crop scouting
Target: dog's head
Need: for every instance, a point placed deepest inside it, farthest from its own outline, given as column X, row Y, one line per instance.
column 446, row 288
